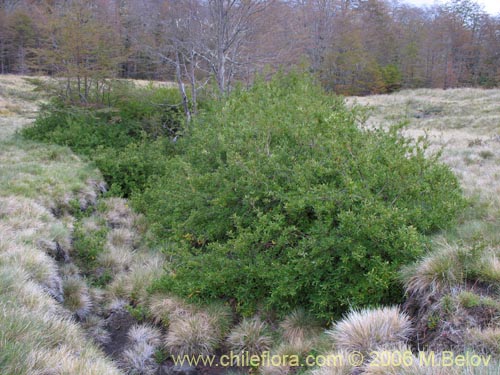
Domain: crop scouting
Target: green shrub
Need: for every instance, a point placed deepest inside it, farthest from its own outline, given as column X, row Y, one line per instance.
column 128, row 141
column 80, row 129
column 278, row 199
column 88, row 244
column 127, row 169
column 134, row 114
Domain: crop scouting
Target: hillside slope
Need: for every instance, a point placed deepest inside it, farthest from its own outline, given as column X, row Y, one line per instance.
column 38, row 185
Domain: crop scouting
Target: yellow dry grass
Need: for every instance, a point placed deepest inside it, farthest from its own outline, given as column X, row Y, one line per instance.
column 463, row 123
column 38, row 335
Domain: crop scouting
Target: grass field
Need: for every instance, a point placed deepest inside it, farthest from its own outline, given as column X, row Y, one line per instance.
column 37, row 335
column 463, row 123
column 454, row 291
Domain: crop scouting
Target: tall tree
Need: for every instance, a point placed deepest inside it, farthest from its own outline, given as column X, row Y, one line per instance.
column 82, row 47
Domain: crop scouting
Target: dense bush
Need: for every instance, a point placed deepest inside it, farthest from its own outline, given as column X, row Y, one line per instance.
column 278, row 199
column 127, row 140
column 127, row 169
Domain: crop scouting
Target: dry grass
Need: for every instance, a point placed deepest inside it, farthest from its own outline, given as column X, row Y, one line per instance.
column 37, row 334
column 369, row 329
column 439, row 270
column 132, row 285
column 337, row 363
column 76, row 297
column 118, row 214
column 453, row 290
column 50, row 174
column 485, row 341
column 95, row 330
column 138, row 358
column 17, row 96
column 463, row 123
column 251, row 336
column 192, row 335
column 300, row 329
column 165, row 309
column 122, row 237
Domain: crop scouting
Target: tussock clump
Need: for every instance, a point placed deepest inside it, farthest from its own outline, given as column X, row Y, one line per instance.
column 87, row 197
column 142, row 333
column 434, row 272
column 76, row 297
column 489, row 267
column 165, row 309
column 69, row 270
column 138, row 358
column 122, row 237
column 299, row 327
column 117, row 305
column 486, row 341
column 40, row 268
column 118, row 214
column 193, row 335
column 94, row 329
column 132, row 285
column 336, row 363
column 365, row 330
column 91, row 224
column 116, row 258
column 98, row 298
column 290, row 351
column 251, row 336
column 221, row 317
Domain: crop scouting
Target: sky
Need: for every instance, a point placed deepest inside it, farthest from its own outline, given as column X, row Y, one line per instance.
column 491, row 6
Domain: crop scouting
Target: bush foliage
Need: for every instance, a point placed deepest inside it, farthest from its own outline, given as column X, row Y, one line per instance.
column 275, row 199
column 127, row 140
column 278, row 199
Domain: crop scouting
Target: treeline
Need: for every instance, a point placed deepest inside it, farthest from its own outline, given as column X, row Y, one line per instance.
column 354, row 46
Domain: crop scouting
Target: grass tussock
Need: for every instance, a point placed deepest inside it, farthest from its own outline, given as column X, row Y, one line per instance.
column 337, row 363
column 251, row 335
column 76, row 297
column 192, row 335
column 138, row 358
column 133, row 285
column 165, row 309
column 299, row 329
column 485, row 341
column 368, row 329
column 435, row 272
column 38, row 185
column 118, row 213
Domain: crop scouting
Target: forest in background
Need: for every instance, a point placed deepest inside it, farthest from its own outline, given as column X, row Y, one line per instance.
column 355, row 47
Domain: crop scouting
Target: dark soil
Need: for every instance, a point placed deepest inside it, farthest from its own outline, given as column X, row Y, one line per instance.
column 118, row 324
